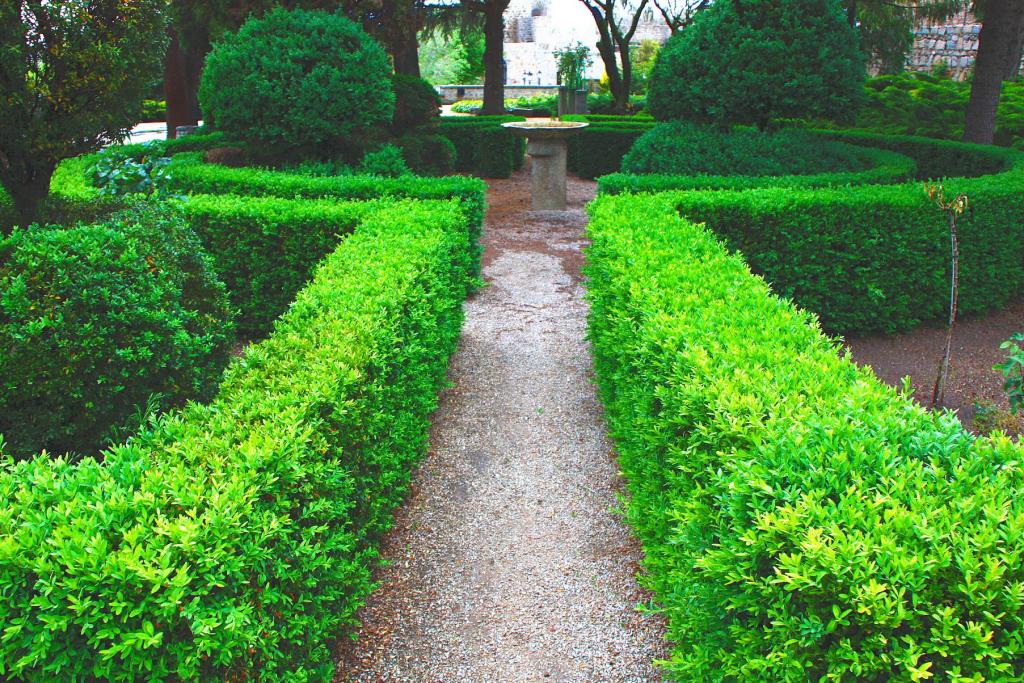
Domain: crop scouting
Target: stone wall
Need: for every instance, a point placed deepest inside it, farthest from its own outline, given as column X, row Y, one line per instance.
column 954, row 43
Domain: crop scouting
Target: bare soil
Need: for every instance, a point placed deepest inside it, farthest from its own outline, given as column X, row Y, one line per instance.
column 971, row 378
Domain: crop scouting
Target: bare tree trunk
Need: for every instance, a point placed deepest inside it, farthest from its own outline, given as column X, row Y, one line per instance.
column 407, row 55
column 182, row 70
column 999, row 32
column 939, row 393
column 494, row 62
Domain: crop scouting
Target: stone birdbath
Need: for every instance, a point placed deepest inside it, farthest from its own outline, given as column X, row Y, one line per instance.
column 547, row 143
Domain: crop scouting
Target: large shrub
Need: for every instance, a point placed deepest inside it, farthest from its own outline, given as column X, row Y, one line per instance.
column 685, row 149
column 97, row 320
column 416, row 103
column 800, row 520
column 298, row 78
column 750, row 61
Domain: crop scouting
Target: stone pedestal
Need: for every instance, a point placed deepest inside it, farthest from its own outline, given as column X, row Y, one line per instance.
column 548, row 160
column 547, row 145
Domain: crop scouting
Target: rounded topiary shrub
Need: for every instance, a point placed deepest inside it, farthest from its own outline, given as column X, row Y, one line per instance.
column 298, row 78
column 416, row 103
column 99, row 323
column 428, row 154
column 751, row 61
column 679, row 148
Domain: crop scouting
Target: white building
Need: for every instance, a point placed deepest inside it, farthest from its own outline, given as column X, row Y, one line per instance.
column 534, row 29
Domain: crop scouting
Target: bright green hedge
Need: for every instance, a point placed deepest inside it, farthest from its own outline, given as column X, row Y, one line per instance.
column 265, row 248
column 235, row 540
column 191, row 176
column 800, row 520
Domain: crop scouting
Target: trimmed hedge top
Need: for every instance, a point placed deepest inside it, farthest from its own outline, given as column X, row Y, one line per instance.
column 800, row 520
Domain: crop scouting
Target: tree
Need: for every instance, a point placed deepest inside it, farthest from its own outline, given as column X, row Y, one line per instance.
column 72, row 74
column 679, row 14
column 457, row 57
column 998, row 53
column 751, row 61
column 493, row 12
column 614, row 38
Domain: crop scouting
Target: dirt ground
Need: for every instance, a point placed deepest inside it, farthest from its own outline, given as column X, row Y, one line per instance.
column 971, row 380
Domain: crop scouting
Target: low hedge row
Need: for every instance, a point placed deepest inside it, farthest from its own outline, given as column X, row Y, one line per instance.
column 236, row 539
column 599, row 148
column 191, row 176
column 885, row 168
column 265, row 248
column 800, row 520
column 482, row 146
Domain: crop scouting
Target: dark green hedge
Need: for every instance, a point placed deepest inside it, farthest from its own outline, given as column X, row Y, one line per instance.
column 265, row 248
column 800, row 520
column 885, row 168
column 482, row 146
column 98, row 320
column 873, row 258
column 599, row 148
column 235, row 540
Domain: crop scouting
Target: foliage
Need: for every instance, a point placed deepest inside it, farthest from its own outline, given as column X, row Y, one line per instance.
column 752, row 61
column 266, row 248
column 935, row 106
column 117, row 174
column 154, row 110
column 482, row 146
column 686, row 149
column 645, row 56
column 298, row 78
column 96, row 319
column 800, row 520
column 455, row 59
column 73, row 75
column 598, row 149
column 386, row 162
column 572, row 62
column 1013, row 370
column 416, row 103
column 237, row 539
column 428, row 153
column 883, row 168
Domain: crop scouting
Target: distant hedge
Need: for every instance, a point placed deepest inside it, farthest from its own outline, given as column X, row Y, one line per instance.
column 482, row 146
column 235, row 540
column 800, row 520
column 98, row 320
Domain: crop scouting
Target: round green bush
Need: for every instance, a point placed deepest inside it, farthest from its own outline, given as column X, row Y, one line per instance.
column 416, row 103
column 299, row 78
column 751, row 61
column 100, row 322
column 679, row 148
column 428, row 154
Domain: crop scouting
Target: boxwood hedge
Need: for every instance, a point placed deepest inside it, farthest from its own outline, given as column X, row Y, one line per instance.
column 801, row 521
column 482, row 146
column 234, row 540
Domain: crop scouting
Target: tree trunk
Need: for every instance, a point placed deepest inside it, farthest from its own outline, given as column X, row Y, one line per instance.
column 625, row 83
column 182, row 69
column 998, row 36
column 494, row 62
column 1016, row 54
column 27, row 180
column 407, row 55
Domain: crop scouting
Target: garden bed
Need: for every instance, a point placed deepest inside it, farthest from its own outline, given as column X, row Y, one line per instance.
column 974, row 390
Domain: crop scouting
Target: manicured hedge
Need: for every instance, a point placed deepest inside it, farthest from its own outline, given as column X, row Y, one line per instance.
column 99, row 320
column 190, row 175
column 885, row 168
column 873, row 258
column 265, row 248
column 599, row 148
column 482, row 146
column 235, row 540
column 800, row 520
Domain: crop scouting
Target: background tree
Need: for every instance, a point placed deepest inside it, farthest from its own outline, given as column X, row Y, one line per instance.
column 455, row 57
column 999, row 54
column 750, row 61
column 617, row 22
column 72, row 74
column 493, row 13
column 679, row 14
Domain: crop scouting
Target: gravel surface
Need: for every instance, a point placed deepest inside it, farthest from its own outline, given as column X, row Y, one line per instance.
column 508, row 562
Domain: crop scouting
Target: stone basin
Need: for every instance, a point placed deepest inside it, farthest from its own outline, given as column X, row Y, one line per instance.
column 546, row 143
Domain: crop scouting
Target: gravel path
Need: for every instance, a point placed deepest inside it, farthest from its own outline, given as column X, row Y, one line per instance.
column 508, row 562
